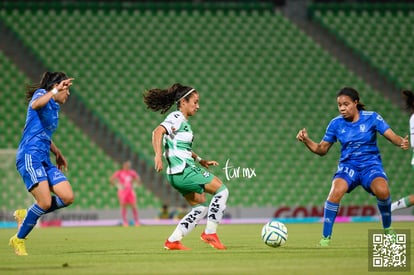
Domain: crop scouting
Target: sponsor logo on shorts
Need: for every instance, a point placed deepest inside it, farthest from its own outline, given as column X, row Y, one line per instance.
column 57, row 175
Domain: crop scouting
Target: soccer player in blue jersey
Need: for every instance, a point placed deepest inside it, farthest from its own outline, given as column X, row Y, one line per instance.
column 360, row 161
column 174, row 134
column 40, row 176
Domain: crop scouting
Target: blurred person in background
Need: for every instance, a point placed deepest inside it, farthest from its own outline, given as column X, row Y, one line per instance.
column 175, row 135
column 408, row 200
column 164, row 213
column 360, row 161
column 44, row 180
column 124, row 180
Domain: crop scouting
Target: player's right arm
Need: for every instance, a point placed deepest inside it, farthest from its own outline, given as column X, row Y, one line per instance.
column 157, row 136
column 45, row 98
column 320, row 148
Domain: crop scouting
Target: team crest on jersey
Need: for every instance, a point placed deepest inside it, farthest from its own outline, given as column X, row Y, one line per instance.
column 362, row 128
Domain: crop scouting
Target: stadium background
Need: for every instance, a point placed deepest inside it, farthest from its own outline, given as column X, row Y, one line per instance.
column 264, row 69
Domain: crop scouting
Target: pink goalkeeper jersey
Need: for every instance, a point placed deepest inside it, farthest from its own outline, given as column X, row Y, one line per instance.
column 125, row 178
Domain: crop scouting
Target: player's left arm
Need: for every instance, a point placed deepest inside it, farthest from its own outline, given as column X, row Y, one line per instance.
column 203, row 162
column 61, row 162
column 396, row 139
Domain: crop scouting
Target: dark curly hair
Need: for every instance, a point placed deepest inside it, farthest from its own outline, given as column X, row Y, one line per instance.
column 162, row 99
column 409, row 99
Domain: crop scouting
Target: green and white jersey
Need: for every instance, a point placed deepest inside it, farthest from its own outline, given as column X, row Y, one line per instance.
column 177, row 142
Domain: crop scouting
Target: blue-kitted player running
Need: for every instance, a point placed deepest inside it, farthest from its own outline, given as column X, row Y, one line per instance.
column 360, row 162
column 33, row 160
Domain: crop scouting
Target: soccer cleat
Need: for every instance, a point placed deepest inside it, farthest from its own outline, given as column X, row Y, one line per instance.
column 212, row 240
column 19, row 216
column 325, row 241
column 177, row 245
column 18, row 246
column 390, row 232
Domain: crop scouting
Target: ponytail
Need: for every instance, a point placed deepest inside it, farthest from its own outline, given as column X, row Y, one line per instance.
column 162, row 99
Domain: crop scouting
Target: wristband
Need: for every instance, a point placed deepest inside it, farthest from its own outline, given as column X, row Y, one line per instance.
column 198, row 159
column 54, row 91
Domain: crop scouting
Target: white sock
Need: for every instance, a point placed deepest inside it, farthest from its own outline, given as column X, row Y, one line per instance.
column 216, row 210
column 188, row 223
column 401, row 203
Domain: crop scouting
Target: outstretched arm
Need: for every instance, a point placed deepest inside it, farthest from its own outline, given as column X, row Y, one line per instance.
column 44, row 99
column 396, row 139
column 203, row 162
column 157, row 136
column 320, row 148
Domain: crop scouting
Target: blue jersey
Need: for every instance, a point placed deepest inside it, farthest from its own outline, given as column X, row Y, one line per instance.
column 40, row 126
column 358, row 139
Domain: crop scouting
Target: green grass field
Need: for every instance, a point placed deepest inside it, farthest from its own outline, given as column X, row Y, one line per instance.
column 139, row 250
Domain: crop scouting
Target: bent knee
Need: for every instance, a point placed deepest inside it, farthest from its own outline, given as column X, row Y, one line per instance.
column 68, row 200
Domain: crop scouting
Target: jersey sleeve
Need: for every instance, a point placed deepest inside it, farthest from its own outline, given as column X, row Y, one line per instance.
column 38, row 93
column 330, row 133
column 412, row 131
column 382, row 126
column 172, row 122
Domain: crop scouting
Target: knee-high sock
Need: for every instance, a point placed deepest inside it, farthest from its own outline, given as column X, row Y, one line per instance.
column 188, row 223
column 384, row 207
column 57, row 203
column 401, row 203
column 33, row 214
column 216, row 209
column 329, row 216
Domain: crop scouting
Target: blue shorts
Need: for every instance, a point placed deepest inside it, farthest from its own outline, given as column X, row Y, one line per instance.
column 34, row 170
column 363, row 177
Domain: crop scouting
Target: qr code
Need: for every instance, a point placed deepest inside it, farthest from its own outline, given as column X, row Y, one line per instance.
column 389, row 252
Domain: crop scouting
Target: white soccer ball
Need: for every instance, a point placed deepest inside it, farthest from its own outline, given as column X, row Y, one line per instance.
column 274, row 234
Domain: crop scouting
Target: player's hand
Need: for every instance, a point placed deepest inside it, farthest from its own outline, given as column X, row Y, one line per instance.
column 61, row 162
column 207, row 163
column 302, row 135
column 158, row 163
column 405, row 144
column 64, row 85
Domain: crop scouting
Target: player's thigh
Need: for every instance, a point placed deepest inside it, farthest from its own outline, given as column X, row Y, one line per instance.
column 41, row 193
column 338, row 189
column 213, row 185
column 64, row 191
column 194, row 198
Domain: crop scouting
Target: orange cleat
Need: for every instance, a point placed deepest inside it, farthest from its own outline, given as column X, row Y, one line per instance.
column 177, row 245
column 212, row 240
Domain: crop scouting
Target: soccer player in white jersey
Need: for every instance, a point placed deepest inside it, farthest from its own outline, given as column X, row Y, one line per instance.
column 175, row 135
column 408, row 200
column 33, row 162
column 360, row 161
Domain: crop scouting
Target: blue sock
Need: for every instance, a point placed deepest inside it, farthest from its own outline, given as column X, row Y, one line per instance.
column 33, row 214
column 56, row 204
column 384, row 207
column 329, row 215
